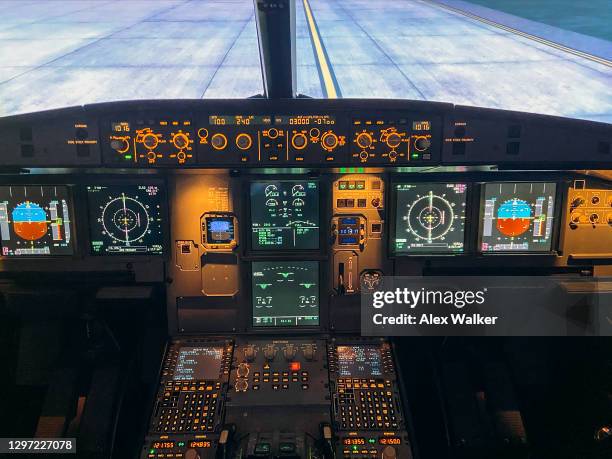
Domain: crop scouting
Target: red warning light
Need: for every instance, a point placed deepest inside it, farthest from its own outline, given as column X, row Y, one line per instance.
column 294, row 366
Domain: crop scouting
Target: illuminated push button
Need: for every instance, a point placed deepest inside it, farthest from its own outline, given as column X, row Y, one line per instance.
column 364, row 140
column 363, row 155
column 244, row 141
column 299, row 141
column 394, row 140
column 181, row 156
column 272, row 133
column 422, row 143
column 242, row 371
column 241, row 385
column 218, row 141
column 393, row 155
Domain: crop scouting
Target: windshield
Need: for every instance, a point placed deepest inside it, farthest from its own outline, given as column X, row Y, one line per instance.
column 551, row 57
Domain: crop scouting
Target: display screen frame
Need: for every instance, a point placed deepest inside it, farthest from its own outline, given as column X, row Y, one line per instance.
column 280, row 252
column 127, row 181
column 323, row 319
column 467, row 227
column 76, row 225
column 554, row 235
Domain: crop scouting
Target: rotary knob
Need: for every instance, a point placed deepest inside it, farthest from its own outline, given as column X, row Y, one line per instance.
column 310, row 352
column 243, row 370
column 249, row 353
column 270, row 352
column 289, row 352
column 218, row 141
column 389, row 453
column 394, row 140
column 120, row 145
column 299, row 141
column 364, row 140
column 244, row 141
column 329, row 141
column 150, row 141
column 422, row 143
column 180, row 141
column 192, row 453
column 241, row 385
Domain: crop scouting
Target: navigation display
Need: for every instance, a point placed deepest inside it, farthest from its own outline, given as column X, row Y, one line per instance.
column 517, row 217
column 430, row 218
column 285, row 294
column 359, row 361
column 285, row 215
column 126, row 219
column 198, row 363
column 35, row 220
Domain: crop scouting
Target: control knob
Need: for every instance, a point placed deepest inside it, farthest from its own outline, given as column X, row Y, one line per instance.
column 243, row 370
column 270, row 352
column 364, row 140
column 244, row 141
column 218, row 141
column 310, row 352
column 329, row 141
column 299, row 141
column 192, row 453
column 249, row 353
column 241, row 385
column 289, row 352
column 389, row 453
column 180, row 141
column 120, row 145
column 394, row 140
column 150, row 141
column 422, row 143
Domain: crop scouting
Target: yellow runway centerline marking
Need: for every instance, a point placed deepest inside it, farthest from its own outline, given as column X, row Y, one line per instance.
column 324, row 66
column 575, row 52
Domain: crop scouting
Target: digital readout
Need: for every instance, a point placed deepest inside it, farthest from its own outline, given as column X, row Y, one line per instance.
column 239, row 120
column 163, row 445
column 305, row 120
column 350, row 441
column 200, row 444
column 390, row 441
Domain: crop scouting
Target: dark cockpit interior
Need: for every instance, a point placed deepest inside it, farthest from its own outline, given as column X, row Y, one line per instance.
column 183, row 279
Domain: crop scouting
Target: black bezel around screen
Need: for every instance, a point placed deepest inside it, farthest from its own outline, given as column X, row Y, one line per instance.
column 282, row 249
column 131, row 183
column 286, row 326
column 393, row 224
column 555, row 223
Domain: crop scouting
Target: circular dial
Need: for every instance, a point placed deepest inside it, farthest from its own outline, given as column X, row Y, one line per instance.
column 244, row 141
column 364, row 140
column 125, row 220
column 422, row 143
column 218, row 141
column 150, row 141
column 430, row 217
column 394, row 140
column 299, row 141
column 180, row 141
column 329, row 141
column 120, row 145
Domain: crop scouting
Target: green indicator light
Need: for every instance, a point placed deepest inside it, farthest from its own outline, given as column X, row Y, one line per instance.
column 371, row 440
column 128, row 156
column 181, row 443
column 355, row 448
column 351, row 169
column 152, row 451
column 343, row 170
column 361, row 169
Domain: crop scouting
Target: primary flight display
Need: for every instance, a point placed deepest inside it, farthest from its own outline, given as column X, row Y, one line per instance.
column 35, row 220
column 517, row 217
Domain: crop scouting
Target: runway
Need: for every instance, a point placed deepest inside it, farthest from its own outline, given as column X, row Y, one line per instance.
column 60, row 53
